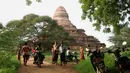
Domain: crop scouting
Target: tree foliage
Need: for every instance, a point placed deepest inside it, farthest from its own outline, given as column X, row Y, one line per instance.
column 42, row 29
column 107, row 13
column 123, row 36
column 29, row 2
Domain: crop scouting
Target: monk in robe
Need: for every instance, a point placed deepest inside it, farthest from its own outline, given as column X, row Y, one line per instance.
column 82, row 54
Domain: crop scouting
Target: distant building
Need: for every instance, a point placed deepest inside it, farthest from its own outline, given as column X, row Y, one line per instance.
column 62, row 18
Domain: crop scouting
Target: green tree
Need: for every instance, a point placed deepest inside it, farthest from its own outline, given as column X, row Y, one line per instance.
column 37, row 28
column 29, row 2
column 123, row 36
column 107, row 13
column 1, row 26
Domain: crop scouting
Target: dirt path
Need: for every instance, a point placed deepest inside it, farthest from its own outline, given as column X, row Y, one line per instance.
column 46, row 68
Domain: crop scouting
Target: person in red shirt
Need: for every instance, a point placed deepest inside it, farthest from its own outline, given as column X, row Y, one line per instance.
column 25, row 50
column 33, row 50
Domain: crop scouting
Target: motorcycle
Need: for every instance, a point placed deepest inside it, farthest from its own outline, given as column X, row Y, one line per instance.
column 122, row 62
column 38, row 59
column 72, row 57
column 97, row 59
column 100, row 66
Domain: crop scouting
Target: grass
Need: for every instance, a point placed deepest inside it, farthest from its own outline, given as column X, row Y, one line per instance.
column 48, row 56
column 47, row 53
column 86, row 66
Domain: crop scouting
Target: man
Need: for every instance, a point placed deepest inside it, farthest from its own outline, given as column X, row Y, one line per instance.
column 69, row 54
column 117, row 53
column 93, row 51
column 97, row 58
column 62, row 50
column 25, row 50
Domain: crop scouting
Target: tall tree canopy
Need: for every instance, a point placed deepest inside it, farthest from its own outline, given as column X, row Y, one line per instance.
column 33, row 27
column 29, row 2
column 115, row 13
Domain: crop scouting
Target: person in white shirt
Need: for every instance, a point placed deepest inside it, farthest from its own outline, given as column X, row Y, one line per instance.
column 62, row 51
column 69, row 54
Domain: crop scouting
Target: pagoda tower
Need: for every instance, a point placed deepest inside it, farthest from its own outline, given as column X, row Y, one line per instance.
column 62, row 18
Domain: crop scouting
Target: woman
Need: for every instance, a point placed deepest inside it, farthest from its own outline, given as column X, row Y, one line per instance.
column 54, row 54
column 53, row 51
column 81, row 54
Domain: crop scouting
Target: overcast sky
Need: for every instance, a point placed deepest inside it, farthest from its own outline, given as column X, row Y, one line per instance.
column 16, row 9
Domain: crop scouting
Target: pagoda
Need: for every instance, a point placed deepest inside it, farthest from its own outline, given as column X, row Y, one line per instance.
column 62, row 18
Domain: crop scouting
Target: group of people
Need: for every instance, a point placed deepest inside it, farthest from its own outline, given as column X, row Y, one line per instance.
column 61, row 49
column 65, row 53
column 96, row 55
column 26, row 52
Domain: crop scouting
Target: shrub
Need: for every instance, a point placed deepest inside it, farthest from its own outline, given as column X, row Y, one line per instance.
column 8, row 63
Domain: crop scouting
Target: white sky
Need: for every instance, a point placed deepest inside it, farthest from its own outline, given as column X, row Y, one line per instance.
column 16, row 9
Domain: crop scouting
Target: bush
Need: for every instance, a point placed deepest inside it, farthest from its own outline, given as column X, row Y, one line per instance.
column 126, row 53
column 109, row 61
column 8, row 63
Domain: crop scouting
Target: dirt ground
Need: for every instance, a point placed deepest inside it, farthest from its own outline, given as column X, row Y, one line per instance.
column 46, row 68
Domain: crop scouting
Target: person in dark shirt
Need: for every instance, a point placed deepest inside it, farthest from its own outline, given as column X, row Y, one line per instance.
column 62, row 50
column 117, row 53
column 39, row 52
column 91, row 56
column 97, row 57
